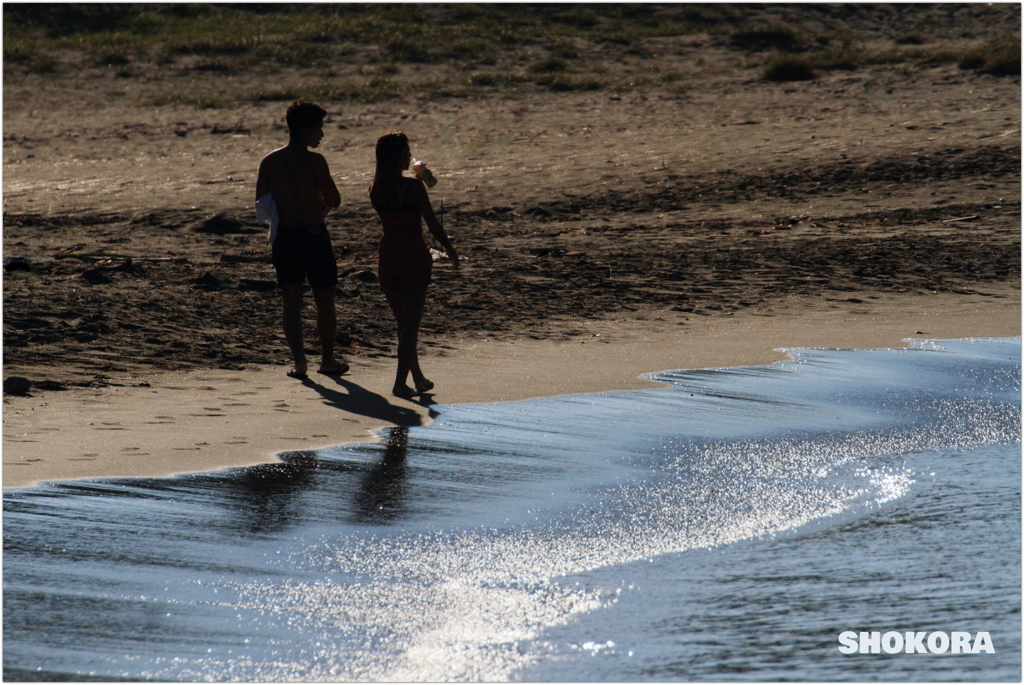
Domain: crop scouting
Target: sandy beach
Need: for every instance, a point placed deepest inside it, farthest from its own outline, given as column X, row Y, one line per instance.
column 200, row 420
column 701, row 216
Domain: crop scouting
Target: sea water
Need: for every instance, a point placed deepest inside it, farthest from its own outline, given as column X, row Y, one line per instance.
column 729, row 526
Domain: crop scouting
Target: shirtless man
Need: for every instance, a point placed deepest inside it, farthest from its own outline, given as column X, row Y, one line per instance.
column 301, row 185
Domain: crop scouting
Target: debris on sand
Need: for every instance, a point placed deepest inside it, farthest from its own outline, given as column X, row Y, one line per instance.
column 16, row 385
column 96, row 277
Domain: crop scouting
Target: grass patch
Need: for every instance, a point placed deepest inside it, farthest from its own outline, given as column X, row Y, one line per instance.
column 31, row 56
column 276, row 95
column 213, row 47
column 482, row 49
column 45, row 64
column 914, row 57
column 830, row 60
column 376, row 89
column 910, row 39
column 997, row 57
column 469, row 49
column 562, row 83
column 767, row 38
column 788, row 68
column 402, row 49
column 401, row 32
column 114, row 57
column 563, row 49
column 216, row 66
column 548, row 66
column 197, row 101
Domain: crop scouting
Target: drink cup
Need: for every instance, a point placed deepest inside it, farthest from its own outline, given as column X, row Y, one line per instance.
column 423, row 173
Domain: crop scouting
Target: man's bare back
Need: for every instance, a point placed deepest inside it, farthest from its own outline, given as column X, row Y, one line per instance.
column 300, row 182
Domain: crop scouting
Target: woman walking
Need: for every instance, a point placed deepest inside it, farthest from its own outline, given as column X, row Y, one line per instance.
column 404, row 263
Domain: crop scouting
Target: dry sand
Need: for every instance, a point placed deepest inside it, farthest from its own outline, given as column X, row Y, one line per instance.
column 700, row 223
column 203, row 420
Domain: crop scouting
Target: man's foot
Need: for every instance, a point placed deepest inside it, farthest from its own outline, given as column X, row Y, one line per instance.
column 424, row 386
column 334, row 368
column 300, row 370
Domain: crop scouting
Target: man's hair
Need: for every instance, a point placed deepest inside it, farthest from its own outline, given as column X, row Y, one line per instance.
column 303, row 114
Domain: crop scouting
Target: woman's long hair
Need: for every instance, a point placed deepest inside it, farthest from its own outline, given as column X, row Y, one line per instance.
column 390, row 151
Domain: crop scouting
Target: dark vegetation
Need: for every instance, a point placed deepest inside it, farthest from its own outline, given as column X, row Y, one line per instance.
column 373, row 52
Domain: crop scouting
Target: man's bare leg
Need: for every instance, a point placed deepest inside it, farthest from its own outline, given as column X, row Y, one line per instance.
column 327, row 326
column 292, row 301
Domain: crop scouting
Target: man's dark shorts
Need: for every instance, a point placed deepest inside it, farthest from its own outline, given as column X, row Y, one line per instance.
column 303, row 251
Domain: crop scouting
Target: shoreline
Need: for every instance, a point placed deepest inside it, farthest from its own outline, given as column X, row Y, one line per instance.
column 166, row 424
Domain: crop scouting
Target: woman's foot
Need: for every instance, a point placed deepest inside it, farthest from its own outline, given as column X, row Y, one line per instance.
column 333, row 368
column 403, row 391
column 424, row 385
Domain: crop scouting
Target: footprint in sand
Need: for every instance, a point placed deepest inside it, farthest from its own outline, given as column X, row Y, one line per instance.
column 213, row 411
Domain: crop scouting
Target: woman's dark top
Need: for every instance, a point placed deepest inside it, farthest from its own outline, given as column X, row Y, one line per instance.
column 403, row 258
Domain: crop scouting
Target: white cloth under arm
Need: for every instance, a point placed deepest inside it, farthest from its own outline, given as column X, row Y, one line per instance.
column 266, row 213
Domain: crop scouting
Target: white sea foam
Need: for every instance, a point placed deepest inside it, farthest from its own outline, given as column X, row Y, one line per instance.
column 456, row 552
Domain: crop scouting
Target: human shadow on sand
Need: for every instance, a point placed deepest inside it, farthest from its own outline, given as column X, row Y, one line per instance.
column 358, row 400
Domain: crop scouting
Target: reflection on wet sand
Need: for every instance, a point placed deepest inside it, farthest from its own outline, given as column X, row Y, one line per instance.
column 271, row 494
column 270, row 491
column 381, row 497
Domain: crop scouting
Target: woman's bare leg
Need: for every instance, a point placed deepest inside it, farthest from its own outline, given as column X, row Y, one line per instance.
column 407, row 306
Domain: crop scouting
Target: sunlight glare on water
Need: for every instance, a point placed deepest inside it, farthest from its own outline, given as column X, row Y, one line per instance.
column 455, row 552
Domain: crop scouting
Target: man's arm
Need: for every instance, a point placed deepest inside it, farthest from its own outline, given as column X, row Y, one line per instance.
column 326, row 184
column 261, row 181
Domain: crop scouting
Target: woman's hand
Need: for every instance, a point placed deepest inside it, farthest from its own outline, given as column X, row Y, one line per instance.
column 452, row 255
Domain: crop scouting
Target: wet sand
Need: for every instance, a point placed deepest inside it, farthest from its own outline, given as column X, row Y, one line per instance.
column 702, row 222
column 200, row 420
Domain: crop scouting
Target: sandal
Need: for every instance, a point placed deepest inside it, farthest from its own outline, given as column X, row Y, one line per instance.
column 339, row 368
column 406, row 393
